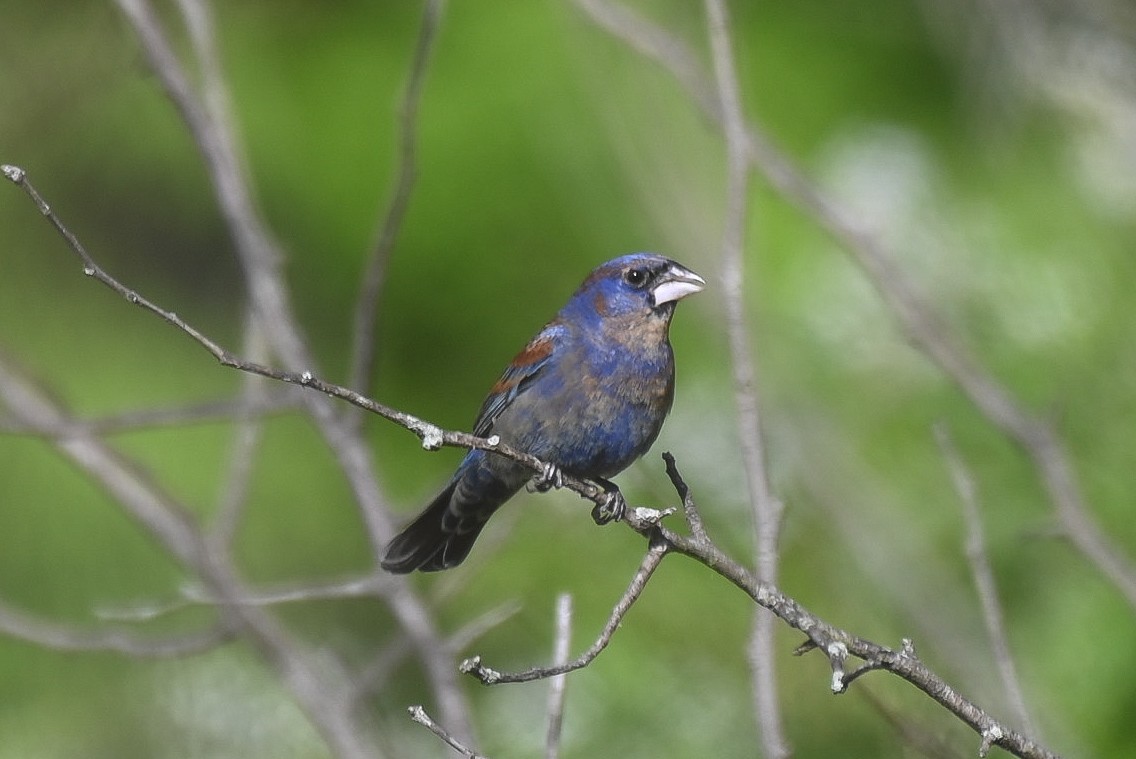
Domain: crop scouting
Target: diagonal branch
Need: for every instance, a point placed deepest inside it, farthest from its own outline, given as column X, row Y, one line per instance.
column 245, row 443
column 839, row 646
column 46, row 634
column 211, row 126
column 910, row 308
column 316, row 686
column 432, row 436
column 266, row 404
column 320, row 688
column 647, row 567
column 260, row 257
column 419, row 715
column 984, row 577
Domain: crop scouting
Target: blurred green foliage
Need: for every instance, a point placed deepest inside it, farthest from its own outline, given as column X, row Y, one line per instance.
column 546, row 147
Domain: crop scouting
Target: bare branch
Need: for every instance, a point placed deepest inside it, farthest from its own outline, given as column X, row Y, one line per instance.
column 432, row 436
column 983, row 575
column 351, row 454
column 733, row 263
column 58, row 637
column 211, row 127
column 909, row 306
column 210, row 123
column 689, row 508
column 332, row 716
column 370, row 290
column 766, row 507
column 195, row 595
column 318, row 687
column 557, row 684
column 270, row 402
column 19, row 177
column 246, row 441
column 419, row 715
column 837, row 644
column 647, row 567
column 160, row 515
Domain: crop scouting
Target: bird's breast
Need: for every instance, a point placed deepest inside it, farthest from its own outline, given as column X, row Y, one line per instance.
column 593, row 411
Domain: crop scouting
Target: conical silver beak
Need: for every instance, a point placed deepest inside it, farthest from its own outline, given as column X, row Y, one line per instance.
column 675, row 284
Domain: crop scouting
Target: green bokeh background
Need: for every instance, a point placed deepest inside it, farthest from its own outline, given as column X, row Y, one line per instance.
column 546, row 147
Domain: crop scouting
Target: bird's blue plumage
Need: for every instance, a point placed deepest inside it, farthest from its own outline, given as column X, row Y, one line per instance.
column 588, row 394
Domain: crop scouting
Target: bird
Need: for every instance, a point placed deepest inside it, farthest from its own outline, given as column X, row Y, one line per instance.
column 588, row 395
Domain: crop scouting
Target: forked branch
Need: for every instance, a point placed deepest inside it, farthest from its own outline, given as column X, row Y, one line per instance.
column 839, row 646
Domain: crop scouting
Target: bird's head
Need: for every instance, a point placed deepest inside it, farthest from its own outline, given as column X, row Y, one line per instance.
column 639, row 284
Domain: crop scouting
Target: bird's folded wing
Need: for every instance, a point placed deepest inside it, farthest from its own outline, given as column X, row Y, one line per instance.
column 520, row 373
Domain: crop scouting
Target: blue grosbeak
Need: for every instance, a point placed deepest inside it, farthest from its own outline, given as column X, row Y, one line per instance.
column 588, row 395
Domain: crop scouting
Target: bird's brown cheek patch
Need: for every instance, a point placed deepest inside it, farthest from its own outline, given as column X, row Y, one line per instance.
column 599, row 303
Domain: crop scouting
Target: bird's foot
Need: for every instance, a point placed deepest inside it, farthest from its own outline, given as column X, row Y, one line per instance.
column 611, row 508
column 550, row 477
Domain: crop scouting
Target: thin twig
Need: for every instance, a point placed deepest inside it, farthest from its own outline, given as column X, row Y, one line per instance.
column 419, row 715
column 213, row 132
column 984, row 583
column 209, row 121
column 58, row 637
column 270, row 402
column 432, row 436
column 475, row 628
column 558, row 683
column 210, row 124
column 329, row 703
column 246, row 440
column 408, row 609
column 766, row 507
column 689, row 508
column 836, row 644
column 647, row 567
column 365, row 322
column 195, row 595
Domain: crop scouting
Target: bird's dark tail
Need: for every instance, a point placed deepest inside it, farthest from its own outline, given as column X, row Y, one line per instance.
column 425, row 544
column 443, row 534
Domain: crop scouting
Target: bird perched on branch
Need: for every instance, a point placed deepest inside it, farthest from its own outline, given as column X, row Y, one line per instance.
column 588, row 395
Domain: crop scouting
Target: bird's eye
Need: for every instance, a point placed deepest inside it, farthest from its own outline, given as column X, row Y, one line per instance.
column 635, row 277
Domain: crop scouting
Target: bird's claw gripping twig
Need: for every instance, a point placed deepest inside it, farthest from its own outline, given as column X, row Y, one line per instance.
column 550, row 477
column 611, row 508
